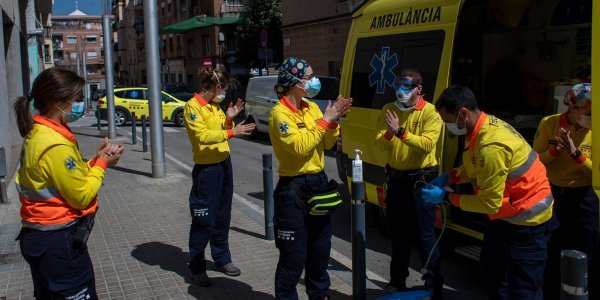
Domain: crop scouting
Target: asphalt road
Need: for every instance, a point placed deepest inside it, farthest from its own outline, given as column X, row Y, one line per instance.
column 461, row 274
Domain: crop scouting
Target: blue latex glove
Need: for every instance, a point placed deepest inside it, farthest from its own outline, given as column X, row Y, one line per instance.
column 432, row 194
column 441, row 180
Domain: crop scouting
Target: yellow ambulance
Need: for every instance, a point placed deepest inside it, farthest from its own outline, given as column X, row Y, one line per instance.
column 518, row 56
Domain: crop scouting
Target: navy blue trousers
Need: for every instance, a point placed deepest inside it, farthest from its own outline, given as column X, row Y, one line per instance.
column 303, row 240
column 577, row 212
column 513, row 259
column 58, row 270
column 210, row 207
column 411, row 222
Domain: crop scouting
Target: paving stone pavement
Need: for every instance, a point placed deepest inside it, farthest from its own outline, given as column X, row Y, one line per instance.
column 139, row 242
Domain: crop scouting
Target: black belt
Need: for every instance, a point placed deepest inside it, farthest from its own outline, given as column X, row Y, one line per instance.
column 301, row 176
column 223, row 162
column 411, row 174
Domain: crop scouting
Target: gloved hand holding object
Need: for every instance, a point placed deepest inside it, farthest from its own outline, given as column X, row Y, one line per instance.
column 432, row 194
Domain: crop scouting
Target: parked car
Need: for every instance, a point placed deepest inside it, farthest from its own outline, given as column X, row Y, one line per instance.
column 128, row 100
column 260, row 98
column 175, row 88
column 183, row 96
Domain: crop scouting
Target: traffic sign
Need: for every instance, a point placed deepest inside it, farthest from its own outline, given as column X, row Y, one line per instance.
column 264, row 38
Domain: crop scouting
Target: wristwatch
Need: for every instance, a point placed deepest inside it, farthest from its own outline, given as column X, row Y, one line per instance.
column 401, row 131
column 576, row 154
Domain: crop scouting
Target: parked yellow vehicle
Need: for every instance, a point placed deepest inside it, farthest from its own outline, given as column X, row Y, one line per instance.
column 135, row 100
column 519, row 57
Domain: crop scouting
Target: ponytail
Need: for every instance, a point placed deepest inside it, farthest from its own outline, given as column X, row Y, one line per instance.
column 23, row 112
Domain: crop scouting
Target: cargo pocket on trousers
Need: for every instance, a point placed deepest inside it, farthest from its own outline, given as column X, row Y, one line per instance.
column 287, row 213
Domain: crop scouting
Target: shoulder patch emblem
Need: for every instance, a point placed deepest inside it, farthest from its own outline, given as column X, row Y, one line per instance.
column 70, row 164
column 193, row 117
column 283, row 127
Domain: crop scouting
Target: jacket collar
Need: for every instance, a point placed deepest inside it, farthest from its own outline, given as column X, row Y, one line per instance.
column 473, row 136
column 285, row 102
column 564, row 120
column 63, row 130
column 420, row 103
column 200, row 100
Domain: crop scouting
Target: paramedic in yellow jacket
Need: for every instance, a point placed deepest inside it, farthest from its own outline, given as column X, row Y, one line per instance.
column 57, row 188
column 300, row 133
column 410, row 128
column 209, row 129
column 564, row 143
column 510, row 186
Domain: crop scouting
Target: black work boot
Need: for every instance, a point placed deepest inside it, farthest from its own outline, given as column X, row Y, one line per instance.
column 228, row 269
column 201, row 279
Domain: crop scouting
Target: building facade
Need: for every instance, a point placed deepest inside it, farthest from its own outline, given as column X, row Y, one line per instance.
column 78, row 45
column 182, row 53
column 317, row 30
column 22, row 57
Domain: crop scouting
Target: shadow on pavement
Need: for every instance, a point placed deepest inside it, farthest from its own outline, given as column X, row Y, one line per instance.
column 173, row 259
column 246, row 232
column 130, row 171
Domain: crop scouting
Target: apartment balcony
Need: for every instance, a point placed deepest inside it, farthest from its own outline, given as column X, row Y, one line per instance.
column 232, row 8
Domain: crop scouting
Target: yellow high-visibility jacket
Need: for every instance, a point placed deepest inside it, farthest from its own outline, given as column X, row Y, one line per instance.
column 208, row 130
column 55, row 185
column 508, row 178
column 300, row 137
column 416, row 148
column 563, row 170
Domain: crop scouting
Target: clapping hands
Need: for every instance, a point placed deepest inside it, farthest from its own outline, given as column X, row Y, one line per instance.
column 339, row 108
column 234, row 110
column 109, row 152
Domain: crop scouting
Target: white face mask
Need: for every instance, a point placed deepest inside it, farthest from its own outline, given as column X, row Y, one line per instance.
column 453, row 127
column 403, row 97
column 585, row 121
column 401, row 106
column 219, row 98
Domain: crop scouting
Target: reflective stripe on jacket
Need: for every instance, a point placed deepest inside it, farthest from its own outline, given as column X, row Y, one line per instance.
column 508, row 177
column 56, row 186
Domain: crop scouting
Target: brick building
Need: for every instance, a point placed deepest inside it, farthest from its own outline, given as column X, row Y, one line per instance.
column 77, row 39
column 317, row 30
column 182, row 51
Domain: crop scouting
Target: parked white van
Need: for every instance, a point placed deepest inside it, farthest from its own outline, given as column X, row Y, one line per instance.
column 261, row 97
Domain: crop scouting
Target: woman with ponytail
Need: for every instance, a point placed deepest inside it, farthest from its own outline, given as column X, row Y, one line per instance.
column 57, row 188
column 209, row 129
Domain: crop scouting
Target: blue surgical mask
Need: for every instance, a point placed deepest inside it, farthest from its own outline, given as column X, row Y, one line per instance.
column 76, row 113
column 312, row 87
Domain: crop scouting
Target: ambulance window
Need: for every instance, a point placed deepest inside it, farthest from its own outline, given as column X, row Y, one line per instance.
column 379, row 58
column 134, row 94
column 120, row 94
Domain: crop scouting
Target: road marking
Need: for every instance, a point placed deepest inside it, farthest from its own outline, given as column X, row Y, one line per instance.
column 339, row 257
column 165, row 129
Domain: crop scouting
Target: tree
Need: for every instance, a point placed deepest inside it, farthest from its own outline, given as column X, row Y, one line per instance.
column 260, row 14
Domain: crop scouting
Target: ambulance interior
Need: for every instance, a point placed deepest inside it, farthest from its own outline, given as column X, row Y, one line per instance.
column 521, row 56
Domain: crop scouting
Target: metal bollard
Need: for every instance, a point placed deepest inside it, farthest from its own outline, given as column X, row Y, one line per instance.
column 267, row 160
column 3, row 173
column 133, row 129
column 144, row 135
column 359, row 267
column 573, row 275
column 98, row 119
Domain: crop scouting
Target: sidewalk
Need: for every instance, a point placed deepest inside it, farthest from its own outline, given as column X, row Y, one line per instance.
column 139, row 243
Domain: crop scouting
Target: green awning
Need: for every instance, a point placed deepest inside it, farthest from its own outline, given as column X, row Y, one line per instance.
column 198, row 22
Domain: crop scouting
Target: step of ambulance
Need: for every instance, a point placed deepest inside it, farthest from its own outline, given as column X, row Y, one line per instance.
column 469, row 251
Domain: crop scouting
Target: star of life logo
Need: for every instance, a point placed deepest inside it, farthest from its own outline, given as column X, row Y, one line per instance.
column 283, row 127
column 383, row 70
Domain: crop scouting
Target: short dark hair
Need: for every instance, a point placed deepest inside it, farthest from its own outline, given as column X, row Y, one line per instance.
column 456, row 97
column 411, row 72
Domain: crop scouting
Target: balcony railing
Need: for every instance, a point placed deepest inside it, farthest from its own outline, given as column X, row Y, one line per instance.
column 232, row 8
